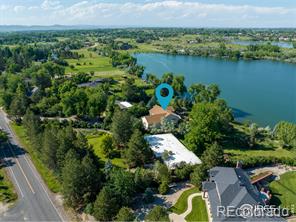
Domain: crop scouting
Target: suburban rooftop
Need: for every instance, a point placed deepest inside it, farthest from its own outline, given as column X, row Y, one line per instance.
column 179, row 153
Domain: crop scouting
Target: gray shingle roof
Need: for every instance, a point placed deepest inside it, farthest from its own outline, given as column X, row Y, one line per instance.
column 232, row 187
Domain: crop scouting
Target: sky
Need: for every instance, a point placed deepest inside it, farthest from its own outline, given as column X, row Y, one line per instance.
column 151, row 13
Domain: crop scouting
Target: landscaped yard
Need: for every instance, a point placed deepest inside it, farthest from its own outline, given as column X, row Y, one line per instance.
column 284, row 190
column 199, row 211
column 181, row 205
column 95, row 141
column 46, row 174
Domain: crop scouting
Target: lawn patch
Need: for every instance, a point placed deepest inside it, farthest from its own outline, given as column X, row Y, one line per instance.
column 284, row 190
column 95, row 141
column 199, row 210
column 181, row 205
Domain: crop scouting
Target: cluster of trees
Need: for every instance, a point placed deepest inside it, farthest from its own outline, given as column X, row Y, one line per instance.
column 68, row 155
column 286, row 133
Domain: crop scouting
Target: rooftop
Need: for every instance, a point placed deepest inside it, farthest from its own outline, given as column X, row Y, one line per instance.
column 232, row 187
column 124, row 104
column 179, row 153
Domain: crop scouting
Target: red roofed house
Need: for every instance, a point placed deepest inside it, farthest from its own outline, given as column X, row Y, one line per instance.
column 157, row 115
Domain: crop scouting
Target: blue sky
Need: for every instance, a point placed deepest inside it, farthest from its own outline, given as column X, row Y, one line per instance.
column 181, row 13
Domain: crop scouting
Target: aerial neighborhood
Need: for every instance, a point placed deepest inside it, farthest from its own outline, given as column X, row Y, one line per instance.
column 147, row 124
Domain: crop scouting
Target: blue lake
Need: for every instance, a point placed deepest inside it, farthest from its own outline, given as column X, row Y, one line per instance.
column 261, row 91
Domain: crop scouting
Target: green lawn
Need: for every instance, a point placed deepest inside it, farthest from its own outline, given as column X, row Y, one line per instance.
column 181, row 205
column 46, row 174
column 91, row 62
column 284, row 190
column 7, row 194
column 199, row 211
column 95, row 141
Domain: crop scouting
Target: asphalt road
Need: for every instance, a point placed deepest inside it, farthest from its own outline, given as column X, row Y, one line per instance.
column 34, row 200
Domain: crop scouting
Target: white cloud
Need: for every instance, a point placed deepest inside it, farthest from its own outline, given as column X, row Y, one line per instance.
column 51, row 5
column 19, row 8
column 159, row 13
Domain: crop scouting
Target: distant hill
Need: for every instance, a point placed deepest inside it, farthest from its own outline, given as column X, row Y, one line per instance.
column 15, row 28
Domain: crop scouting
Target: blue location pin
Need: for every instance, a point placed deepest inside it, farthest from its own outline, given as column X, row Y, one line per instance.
column 164, row 101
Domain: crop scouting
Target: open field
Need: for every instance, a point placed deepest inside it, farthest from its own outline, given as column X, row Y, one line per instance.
column 46, row 174
column 284, row 190
column 7, row 194
column 95, row 141
column 199, row 211
column 91, row 62
column 181, row 205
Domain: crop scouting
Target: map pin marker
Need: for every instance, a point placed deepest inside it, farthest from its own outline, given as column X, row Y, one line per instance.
column 164, row 101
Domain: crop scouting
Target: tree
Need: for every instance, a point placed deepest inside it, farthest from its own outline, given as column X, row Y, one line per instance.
column 125, row 214
column 199, row 175
column 106, row 205
column 122, row 185
column 121, row 127
column 158, row 213
column 213, row 156
column 167, row 78
column 50, row 146
column 81, row 180
column 286, row 133
column 202, row 93
column 208, row 122
column 72, row 183
column 294, row 45
column 178, row 85
column 107, row 145
column 138, row 152
column 253, row 129
column 164, row 186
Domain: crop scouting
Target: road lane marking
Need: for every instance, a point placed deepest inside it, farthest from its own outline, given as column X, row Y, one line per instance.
column 13, row 176
column 44, row 189
column 18, row 163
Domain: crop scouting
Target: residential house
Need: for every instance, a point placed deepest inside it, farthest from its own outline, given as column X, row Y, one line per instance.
column 157, row 114
column 230, row 196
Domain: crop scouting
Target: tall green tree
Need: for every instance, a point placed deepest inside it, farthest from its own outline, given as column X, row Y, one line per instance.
column 208, row 123
column 121, row 127
column 106, row 205
column 213, row 156
column 158, row 213
column 125, row 214
column 138, row 152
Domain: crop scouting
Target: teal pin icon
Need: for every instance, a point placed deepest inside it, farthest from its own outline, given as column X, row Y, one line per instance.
column 164, row 101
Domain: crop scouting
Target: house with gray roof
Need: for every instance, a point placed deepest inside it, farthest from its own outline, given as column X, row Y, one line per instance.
column 230, row 195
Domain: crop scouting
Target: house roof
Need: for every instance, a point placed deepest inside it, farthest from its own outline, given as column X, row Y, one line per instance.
column 156, row 110
column 232, row 187
column 124, row 104
column 179, row 153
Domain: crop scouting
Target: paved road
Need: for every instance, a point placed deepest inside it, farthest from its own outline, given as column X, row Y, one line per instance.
column 34, row 202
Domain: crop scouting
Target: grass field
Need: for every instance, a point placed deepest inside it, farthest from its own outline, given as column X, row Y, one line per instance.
column 7, row 193
column 46, row 174
column 199, row 211
column 181, row 205
column 284, row 190
column 95, row 141
column 91, row 62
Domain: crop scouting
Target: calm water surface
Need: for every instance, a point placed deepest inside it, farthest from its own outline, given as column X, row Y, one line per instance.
column 260, row 91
